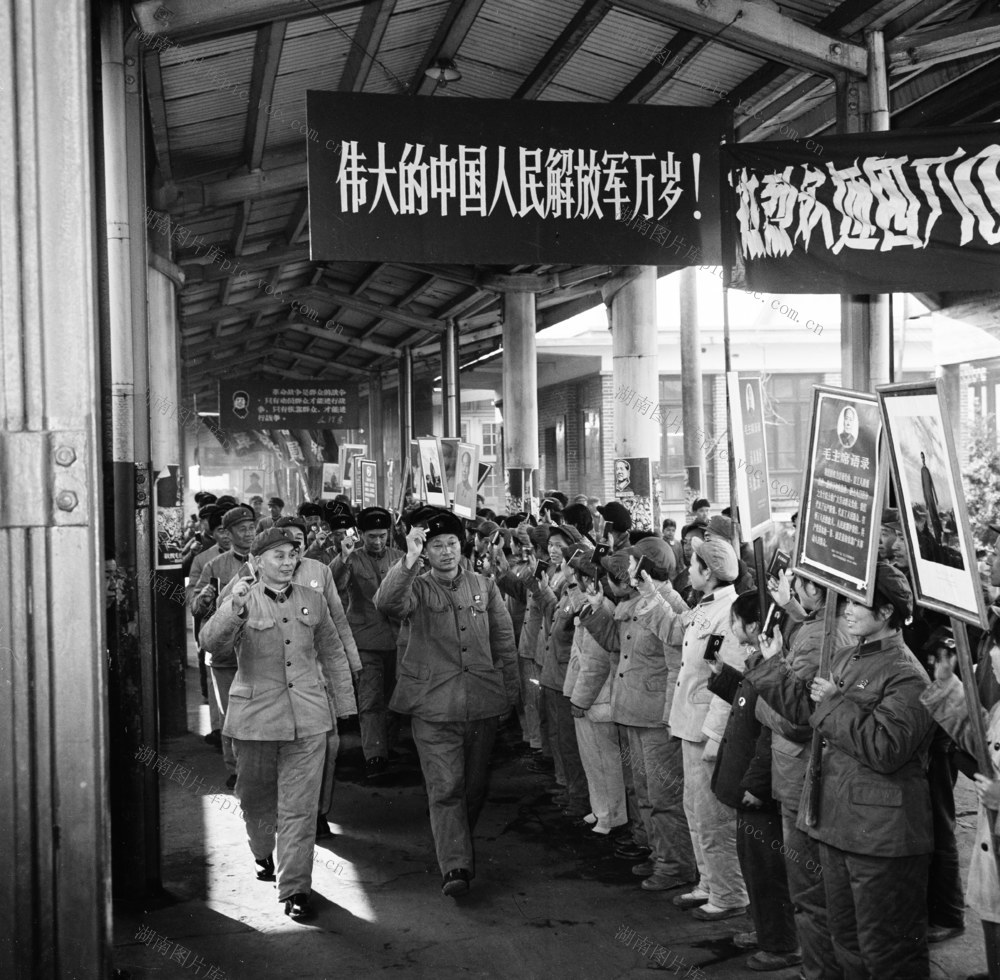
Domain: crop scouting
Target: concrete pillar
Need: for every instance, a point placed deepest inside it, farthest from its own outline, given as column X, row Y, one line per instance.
column 692, row 391
column 635, row 367
column 376, row 440
column 166, row 477
column 520, row 382
column 450, row 383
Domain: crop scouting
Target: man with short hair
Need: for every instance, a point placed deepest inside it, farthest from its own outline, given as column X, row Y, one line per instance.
column 358, row 573
column 700, row 511
column 669, row 534
column 275, row 507
column 457, row 679
column 887, row 534
column 874, row 818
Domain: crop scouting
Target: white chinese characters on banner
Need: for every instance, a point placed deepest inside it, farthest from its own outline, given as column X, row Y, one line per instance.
column 878, row 203
column 478, row 180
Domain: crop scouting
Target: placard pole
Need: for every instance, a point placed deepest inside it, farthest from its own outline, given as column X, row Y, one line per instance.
column 814, row 774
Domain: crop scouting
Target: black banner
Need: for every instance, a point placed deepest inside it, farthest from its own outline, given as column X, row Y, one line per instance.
column 874, row 213
column 480, row 181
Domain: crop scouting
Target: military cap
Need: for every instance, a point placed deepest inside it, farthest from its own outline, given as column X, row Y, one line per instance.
column 236, row 515
column 374, row 519
column 892, row 586
column 437, row 521
column 273, row 537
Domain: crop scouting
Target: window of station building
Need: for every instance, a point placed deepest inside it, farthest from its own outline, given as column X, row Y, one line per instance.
column 788, row 408
column 672, row 472
column 591, row 459
column 491, row 438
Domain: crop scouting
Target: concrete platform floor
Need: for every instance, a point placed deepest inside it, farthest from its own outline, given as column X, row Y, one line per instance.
column 545, row 904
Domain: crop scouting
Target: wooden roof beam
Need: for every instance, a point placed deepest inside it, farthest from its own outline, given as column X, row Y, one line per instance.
column 657, row 73
column 367, row 41
column 951, row 43
column 298, row 219
column 192, row 20
column 267, row 55
column 361, row 305
column 759, row 29
column 185, row 196
column 241, row 221
column 572, row 38
column 452, row 31
column 157, row 113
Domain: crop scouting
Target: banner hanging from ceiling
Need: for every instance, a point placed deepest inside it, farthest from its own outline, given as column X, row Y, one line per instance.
column 481, row 181
column 873, row 213
column 250, row 405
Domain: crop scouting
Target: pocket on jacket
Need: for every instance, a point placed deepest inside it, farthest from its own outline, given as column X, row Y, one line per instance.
column 656, row 683
column 418, row 671
column 241, row 691
column 876, row 794
column 260, row 622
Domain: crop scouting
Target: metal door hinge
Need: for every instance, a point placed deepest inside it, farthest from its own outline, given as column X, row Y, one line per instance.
column 43, row 479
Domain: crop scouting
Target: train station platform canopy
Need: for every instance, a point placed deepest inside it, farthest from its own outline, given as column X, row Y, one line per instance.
column 227, row 138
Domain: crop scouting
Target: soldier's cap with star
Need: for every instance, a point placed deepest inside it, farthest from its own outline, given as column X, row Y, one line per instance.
column 273, row 537
column 309, row 509
column 374, row 519
column 236, row 515
column 437, row 521
column 890, row 519
column 292, row 522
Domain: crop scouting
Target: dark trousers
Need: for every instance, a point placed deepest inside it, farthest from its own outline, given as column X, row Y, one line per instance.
column 566, row 750
column 945, row 897
column 202, row 666
column 455, row 760
column 804, row 869
column 991, row 933
column 877, row 909
column 760, row 849
column 375, row 687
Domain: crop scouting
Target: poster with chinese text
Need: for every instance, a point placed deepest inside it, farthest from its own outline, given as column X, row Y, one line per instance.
column 746, row 422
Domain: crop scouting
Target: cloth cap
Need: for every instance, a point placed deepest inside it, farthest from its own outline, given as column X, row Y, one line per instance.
column 616, row 566
column 721, row 527
column 202, row 498
column 275, row 502
column 309, row 509
column 616, row 515
column 720, row 558
column 698, row 529
column 699, row 503
column 539, row 535
column 273, row 537
column 236, row 515
column 582, row 564
column 487, row 529
column 572, row 551
column 374, row 519
column 567, row 532
column 226, row 501
column 657, row 551
column 890, row 519
column 892, row 586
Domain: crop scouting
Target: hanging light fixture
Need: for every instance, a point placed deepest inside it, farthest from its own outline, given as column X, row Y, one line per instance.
column 443, row 71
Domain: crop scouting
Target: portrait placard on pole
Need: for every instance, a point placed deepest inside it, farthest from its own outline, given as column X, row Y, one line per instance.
column 465, row 489
column 931, row 502
column 633, row 489
column 843, row 490
column 432, row 470
column 746, row 421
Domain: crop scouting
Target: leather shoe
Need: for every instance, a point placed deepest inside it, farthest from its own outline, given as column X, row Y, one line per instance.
column 709, row 913
column 763, row 961
column 628, row 850
column 455, row 882
column 643, row 870
column 298, row 907
column 265, row 868
column 938, row 934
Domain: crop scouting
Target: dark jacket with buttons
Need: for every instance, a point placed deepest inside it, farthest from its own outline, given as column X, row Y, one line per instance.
column 292, row 679
column 744, row 760
column 874, row 797
column 460, row 663
column 358, row 579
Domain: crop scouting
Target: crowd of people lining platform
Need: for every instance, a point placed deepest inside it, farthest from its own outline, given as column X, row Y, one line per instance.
column 672, row 725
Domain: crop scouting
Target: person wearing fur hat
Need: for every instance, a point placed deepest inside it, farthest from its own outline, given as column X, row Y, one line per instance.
column 358, row 573
column 457, row 678
column 292, row 684
column 874, row 818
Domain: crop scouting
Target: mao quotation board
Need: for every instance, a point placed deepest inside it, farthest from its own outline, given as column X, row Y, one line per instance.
column 481, row 181
column 246, row 405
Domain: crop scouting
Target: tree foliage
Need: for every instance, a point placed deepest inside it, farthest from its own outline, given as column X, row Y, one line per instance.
column 981, row 478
